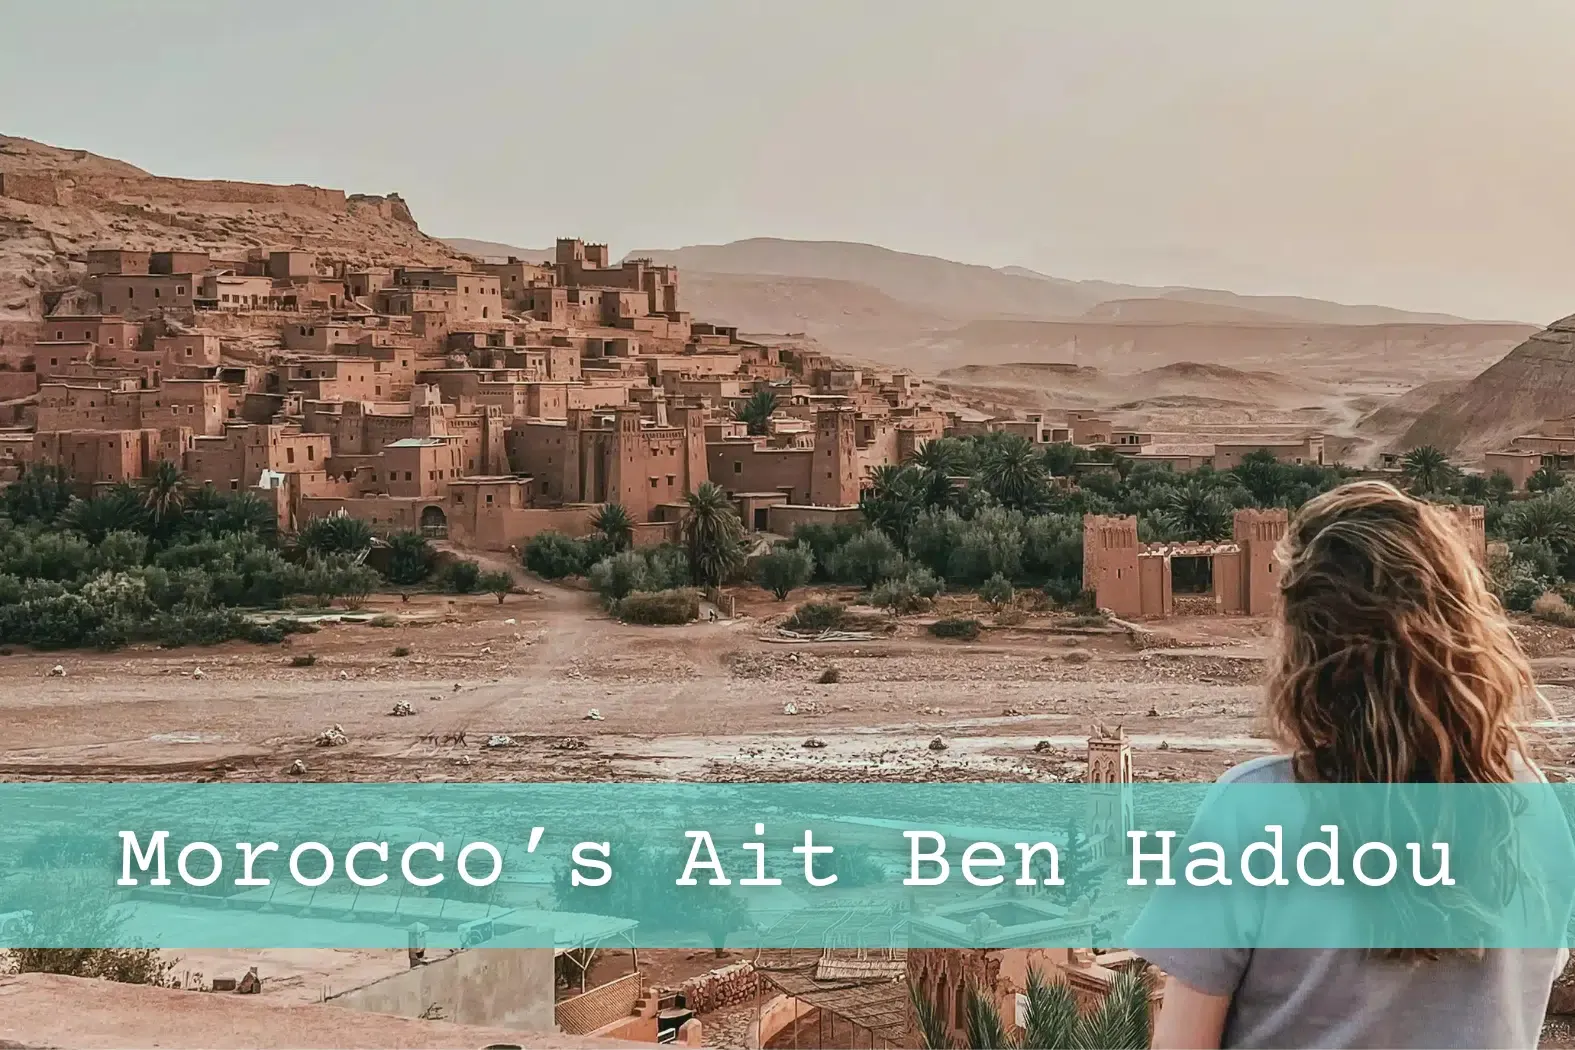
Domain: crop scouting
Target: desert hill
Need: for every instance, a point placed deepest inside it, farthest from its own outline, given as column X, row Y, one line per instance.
column 1386, row 420
column 847, row 314
column 973, row 291
column 499, row 250
column 1330, row 353
column 960, row 289
column 1533, row 382
column 1179, row 311
column 55, row 204
column 1186, row 385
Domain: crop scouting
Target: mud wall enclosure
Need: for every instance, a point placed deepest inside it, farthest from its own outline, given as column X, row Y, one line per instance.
column 500, row 987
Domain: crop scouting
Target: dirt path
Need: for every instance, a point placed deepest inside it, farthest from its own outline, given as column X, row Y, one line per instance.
column 706, row 701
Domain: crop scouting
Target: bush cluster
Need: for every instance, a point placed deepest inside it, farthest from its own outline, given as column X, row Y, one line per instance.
column 817, row 616
column 673, row 606
column 553, row 556
column 960, row 627
column 162, row 563
column 641, row 569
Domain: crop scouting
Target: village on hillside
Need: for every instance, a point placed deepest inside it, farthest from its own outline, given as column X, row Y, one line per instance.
column 483, row 405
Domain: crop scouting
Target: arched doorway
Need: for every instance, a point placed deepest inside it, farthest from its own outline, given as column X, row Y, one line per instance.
column 434, row 523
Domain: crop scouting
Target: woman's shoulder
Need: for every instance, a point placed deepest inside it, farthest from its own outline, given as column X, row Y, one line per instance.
column 1270, row 769
column 1276, row 769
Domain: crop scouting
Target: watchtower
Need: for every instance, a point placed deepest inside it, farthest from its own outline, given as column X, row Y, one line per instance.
column 1109, row 778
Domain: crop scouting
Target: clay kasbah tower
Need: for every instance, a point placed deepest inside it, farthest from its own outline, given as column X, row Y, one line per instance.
column 565, row 465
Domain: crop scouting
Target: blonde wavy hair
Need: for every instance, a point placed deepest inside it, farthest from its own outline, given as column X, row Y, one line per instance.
column 1396, row 663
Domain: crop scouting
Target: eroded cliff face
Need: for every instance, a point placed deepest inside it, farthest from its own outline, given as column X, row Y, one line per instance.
column 1533, row 382
column 55, row 204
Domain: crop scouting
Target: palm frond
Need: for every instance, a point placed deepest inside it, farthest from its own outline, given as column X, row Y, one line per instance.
column 1051, row 1020
column 1121, row 1022
column 985, row 1030
column 933, row 1032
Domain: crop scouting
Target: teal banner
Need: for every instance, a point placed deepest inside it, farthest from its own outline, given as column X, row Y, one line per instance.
column 191, row 866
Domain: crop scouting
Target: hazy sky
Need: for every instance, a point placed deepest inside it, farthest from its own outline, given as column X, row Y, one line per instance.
column 1419, row 153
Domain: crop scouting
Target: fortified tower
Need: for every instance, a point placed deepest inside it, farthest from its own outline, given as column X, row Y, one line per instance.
column 1110, row 563
column 626, row 463
column 1110, row 797
column 834, row 479
column 696, row 470
column 1258, row 533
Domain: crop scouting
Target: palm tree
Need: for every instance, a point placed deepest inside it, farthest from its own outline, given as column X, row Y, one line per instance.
column 1121, row 1021
column 213, row 512
column 1544, row 479
column 1265, row 477
column 245, row 512
column 1014, row 473
column 164, row 493
column 713, row 535
column 895, row 499
column 120, row 509
column 613, row 523
column 756, row 412
column 1549, row 518
column 335, row 534
column 1427, row 469
column 937, row 462
column 1199, row 513
column 40, row 494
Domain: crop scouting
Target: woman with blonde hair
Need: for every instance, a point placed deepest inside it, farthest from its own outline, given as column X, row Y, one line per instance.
column 1396, row 665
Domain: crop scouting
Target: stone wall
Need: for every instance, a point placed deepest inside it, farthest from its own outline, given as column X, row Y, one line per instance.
column 718, row 988
column 34, row 189
column 218, row 191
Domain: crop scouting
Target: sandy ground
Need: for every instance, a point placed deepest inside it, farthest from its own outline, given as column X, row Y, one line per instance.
column 702, row 702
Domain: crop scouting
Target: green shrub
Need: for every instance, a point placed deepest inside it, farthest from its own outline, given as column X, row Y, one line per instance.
column 898, row 595
column 620, row 575
column 867, row 559
column 816, row 616
column 183, row 627
column 463, row 576
column 667, row 567
column 960, row 627
column 1088, row 620
column 335, row 534
column 924, row 582
column 39, row 494
column 785, row 568
column 822, row 541
column 499, row 583
column 674, row 606
column 121, row 551
column 997, row 590
column 410, row 557
column 552, row 555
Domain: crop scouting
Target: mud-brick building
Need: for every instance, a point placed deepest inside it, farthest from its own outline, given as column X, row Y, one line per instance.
column 1130, row 578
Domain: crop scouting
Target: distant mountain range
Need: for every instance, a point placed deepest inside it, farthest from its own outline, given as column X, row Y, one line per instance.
column 965, row 292
column 1025, row 340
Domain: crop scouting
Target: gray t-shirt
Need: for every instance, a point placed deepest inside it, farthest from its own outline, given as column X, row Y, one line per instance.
column 1338, row 998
